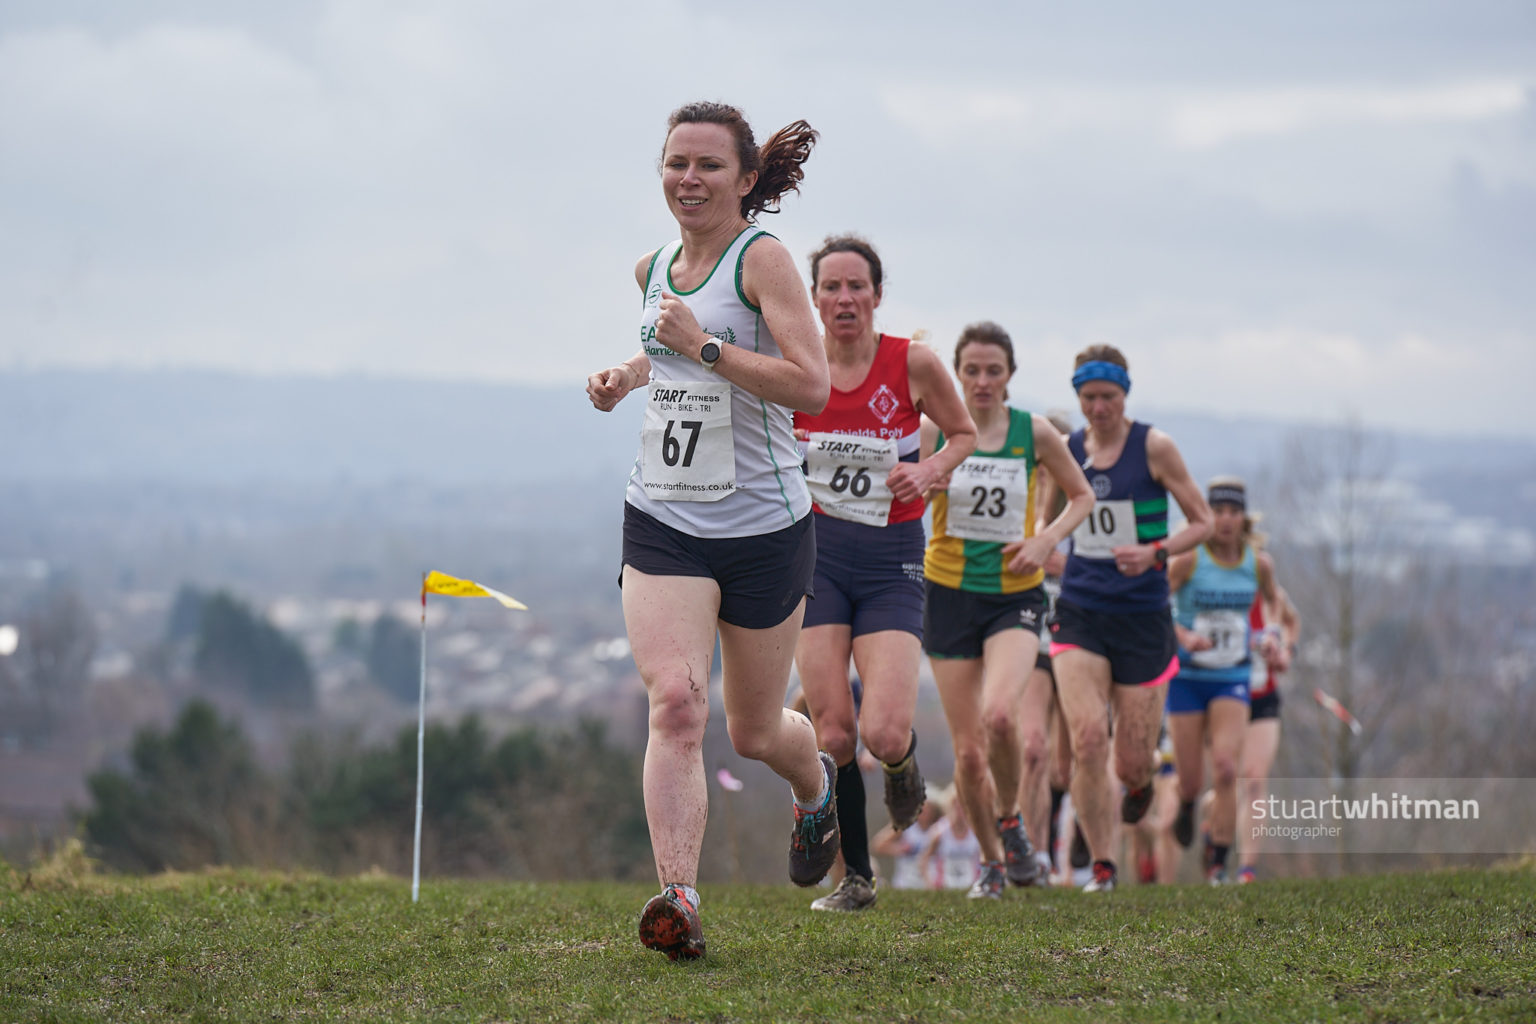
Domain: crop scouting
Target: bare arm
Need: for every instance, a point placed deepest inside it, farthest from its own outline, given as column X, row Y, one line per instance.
column 1167, row 467
column 1180, row 568
column 927, row 443
column 935, row 396
column 1279, row 648
column 1051, row 451
column 1048, row 497
column 800, row 380
column 887, row 842
column 1290, row 619
column 925, row 858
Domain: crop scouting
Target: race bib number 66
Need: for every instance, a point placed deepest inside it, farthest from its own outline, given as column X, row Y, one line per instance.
column 846, row 475
column 687, row 452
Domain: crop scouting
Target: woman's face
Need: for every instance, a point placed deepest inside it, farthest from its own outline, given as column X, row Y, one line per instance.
column 701, row 176
column 845, row 296
column 1103, row 404
column 1229, row 522
column 984, row 375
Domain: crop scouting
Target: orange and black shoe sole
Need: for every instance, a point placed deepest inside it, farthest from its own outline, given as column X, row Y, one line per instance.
column 667, row 928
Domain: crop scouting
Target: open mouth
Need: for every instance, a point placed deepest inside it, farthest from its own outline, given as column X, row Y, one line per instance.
column 690, row 203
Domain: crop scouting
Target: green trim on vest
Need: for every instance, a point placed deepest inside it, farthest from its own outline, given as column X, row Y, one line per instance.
column 678, row 291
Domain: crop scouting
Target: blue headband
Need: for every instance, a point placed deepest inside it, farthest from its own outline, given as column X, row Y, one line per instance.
column 1100, row 370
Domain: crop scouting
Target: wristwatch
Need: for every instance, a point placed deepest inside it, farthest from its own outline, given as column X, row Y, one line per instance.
column 1159, row 555
column 709, row 354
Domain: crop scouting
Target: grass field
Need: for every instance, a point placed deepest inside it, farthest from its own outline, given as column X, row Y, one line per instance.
column 1453, row 945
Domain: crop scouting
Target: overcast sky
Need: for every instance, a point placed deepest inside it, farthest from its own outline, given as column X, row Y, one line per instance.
column 1290, row 210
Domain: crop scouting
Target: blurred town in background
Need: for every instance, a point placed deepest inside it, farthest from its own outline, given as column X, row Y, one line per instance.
column 253, row 552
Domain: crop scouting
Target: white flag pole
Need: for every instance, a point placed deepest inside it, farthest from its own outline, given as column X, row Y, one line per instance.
column 421, row 733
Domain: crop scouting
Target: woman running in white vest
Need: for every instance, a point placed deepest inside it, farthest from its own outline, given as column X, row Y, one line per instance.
column 718, row 536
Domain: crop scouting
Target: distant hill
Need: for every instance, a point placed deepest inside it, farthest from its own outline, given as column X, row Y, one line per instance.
column 188, row 426
column 206, row 427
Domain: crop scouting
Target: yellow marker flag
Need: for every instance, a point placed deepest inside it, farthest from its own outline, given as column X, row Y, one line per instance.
column 451, row 586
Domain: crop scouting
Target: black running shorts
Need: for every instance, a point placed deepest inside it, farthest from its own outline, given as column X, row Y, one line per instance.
column 762, row 578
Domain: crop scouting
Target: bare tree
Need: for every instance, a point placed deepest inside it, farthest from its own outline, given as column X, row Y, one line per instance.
column 52, row 662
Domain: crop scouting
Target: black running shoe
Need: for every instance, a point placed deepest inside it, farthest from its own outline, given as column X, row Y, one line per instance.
column 670, row 924
column 1078, row 855
column 813, row 844
column 1184, row 824
column 1133, row 806
column 905, row 791
column 1023, row 869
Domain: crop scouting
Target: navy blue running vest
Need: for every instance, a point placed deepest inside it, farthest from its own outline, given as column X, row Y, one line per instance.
column 1095, row 582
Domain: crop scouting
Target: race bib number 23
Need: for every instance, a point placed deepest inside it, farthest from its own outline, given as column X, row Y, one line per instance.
column 988, row 498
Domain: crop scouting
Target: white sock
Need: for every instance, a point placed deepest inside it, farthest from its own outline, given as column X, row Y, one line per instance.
column 821, row 798
column 689, row 891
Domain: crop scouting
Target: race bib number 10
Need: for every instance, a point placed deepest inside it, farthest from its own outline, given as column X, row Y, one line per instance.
column 846, row 475
column 1110, row 525
column 687, row 452
column 988, row 498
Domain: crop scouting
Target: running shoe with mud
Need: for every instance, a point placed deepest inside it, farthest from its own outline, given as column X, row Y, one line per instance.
column 1133, row 806
column 670, row 924
column 853, row 893
column 989, row 884
column 813, row 844
column 905, row 791
column 1184, row 824
column 1018, row 855
column 1078, row 855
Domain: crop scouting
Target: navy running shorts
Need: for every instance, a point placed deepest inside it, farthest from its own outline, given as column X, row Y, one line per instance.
column 957, row 623
column 868, row 577
column 762, row 578
column 1142, row 648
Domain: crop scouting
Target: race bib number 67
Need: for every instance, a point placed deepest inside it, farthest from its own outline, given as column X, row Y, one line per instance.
column 687, row 452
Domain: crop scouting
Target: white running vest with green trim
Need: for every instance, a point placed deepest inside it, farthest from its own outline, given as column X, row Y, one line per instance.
column 770, row 489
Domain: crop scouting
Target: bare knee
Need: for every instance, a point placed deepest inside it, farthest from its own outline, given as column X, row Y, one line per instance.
column 888, row 742
column 1223, row 769
column 679, row 706
column 999, row 726
column 1035, row 750
column 1134, row 767
column 758, row 738
column 971, row 763
column 1251, row 789
column 1090, row 745
column 838, row 741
